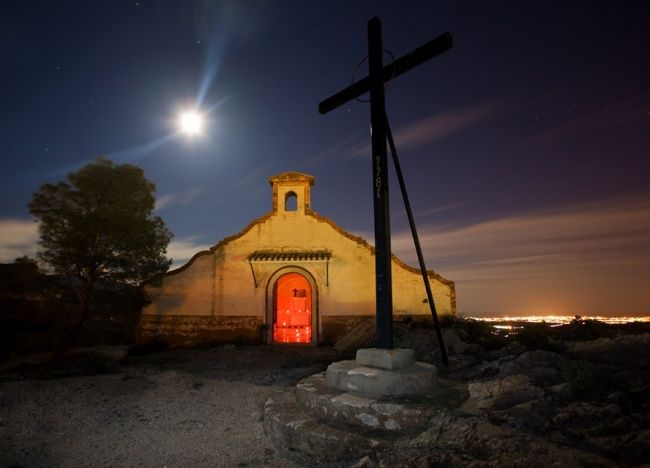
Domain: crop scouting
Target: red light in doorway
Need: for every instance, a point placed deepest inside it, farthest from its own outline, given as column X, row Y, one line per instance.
column 292, row 315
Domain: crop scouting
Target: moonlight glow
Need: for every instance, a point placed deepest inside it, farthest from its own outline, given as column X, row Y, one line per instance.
column 190, row 123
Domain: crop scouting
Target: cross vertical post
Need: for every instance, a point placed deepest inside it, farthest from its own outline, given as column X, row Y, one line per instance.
column 383, row 277
column 374, row 83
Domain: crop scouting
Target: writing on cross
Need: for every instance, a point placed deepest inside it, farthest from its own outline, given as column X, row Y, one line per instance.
column 374, row 83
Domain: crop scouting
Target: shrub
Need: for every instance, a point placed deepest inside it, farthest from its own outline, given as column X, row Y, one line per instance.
column 534, row 335
column 584, row 377
column 153, row 346
column 585, row 330
column 450, row 320
column 96, row 363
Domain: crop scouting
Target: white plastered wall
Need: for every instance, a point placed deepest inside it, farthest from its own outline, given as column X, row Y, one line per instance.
column 221, row 282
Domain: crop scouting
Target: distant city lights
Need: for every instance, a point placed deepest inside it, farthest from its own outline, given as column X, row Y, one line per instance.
column 561, row 319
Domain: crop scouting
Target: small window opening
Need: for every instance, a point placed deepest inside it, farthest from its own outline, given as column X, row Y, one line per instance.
column 290, row 202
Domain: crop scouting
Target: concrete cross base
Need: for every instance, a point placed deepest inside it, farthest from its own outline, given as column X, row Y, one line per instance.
column 309, row 440
column 316, row 424
column 392, row 359
column 370, row 414
column 383, row 372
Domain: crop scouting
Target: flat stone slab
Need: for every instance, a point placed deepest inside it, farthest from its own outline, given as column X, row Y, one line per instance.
column 291, row 428
column 318, row 425
column 392, row 359
column 369, row 414
column 418, row 379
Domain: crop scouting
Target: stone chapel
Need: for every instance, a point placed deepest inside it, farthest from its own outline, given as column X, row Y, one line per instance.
column 291, row 276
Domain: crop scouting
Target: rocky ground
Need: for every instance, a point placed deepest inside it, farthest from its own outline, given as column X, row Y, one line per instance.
column 576, row 403
column 528, row 400
column 170, row 408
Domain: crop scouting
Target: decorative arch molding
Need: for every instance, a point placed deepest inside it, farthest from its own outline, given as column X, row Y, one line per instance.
column 316, row 320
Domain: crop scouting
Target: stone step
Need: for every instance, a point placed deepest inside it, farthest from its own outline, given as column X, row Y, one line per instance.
column 369, row 414
column 327, row 426
column 392, row 359
column 418, row 379
column 289, row 427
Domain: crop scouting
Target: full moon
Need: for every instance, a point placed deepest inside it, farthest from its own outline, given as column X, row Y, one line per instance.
column 190, row 123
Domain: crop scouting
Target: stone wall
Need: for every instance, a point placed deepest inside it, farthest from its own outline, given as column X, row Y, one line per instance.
column 187, row 331
column 224, row 282
column 221, row 281
column 334, row 327
column 338, row 325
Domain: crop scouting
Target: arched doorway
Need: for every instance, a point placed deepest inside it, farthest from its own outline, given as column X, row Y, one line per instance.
column 293, row 314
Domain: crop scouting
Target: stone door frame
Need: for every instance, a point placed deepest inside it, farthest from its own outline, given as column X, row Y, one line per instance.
column 316, row 324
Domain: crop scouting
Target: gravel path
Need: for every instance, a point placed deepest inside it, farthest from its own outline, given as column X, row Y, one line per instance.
column 174, row 408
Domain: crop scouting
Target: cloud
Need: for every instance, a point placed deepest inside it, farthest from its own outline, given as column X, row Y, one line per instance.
column 249, row 177
column 181, row 250
column 431, row 211
column 591, row 256
column 342, row 148
column 412, row 137
column 611, row 116
column 431, row 129
column 579, row 236
column 184, row 197
column 18, row 237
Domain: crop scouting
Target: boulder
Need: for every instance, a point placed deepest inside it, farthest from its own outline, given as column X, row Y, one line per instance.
column 513, row 348
column 530, row 416
column 501, row 393
column 537, row 358
column 361, row 336
column 624, row 350
column 458, row 441
column 604, row 427
column 586, row 415
column 453, row 342
column 562, row 393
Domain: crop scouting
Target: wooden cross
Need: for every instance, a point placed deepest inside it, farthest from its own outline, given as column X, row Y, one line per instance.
column 374, row 83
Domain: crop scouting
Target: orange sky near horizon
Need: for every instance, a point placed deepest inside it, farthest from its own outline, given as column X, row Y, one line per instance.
column 582, row 259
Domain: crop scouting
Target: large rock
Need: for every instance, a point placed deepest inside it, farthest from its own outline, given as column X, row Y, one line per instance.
column 514, row 348
column 530, row 416
column 291, row 428
column 625, row 350
column 501, row 393
column 539, row 365
column 604, row 427
column 361, row 336
column 538, row 357
column 453, row 441
column 421, row 340
column 586, row 415
column 453, row 342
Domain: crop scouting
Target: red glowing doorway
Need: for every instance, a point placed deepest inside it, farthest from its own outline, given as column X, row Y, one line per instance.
column 292, row 311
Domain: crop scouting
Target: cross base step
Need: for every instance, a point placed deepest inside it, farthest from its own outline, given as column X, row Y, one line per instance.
column 331, row 423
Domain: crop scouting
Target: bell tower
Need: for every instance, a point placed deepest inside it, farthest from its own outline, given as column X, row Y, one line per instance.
column 291, row 192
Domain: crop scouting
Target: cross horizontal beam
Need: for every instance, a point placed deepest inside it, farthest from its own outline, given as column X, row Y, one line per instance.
column 403, row 64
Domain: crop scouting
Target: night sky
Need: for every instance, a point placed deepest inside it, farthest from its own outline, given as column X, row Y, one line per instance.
column 525, row 147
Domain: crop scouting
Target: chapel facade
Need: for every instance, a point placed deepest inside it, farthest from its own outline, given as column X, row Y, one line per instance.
column 291, row 276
